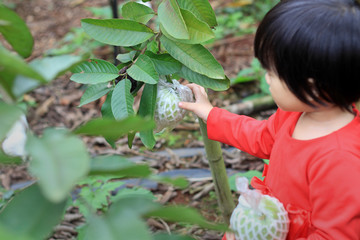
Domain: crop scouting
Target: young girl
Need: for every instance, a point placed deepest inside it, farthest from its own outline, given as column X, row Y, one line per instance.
column 311, row 51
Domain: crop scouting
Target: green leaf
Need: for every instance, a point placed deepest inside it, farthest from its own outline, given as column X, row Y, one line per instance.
column 131, row 137
column 171, row 19
column 122, row 221
column 16, row 32
column 118, row 32
column 164, row 64
column 144, row 70
column 201, row 9
column 125, row 226
column 53, row 67
column 179, row 182
column 126, row 57
column 206, row 82
column 49, row 67
column 164, row 236
column 122, row 101
column 242, row 79
column 137, row 12
column 95, row 193
column 94, row 71
column 184, row 214
column 6, row 83
column 59, row 161
column 153, row 46
column 118, row 166
column 249, row 175
column 114, row 129
column 30, row 214
column 94, row 92
column 106, row 111
column 92, row 199
column 9, row 115
column 199, row 31
column 4, row 159
column 138, row 205
column 194, row 56
column 147, row 109
column 136, row 191
column 8, row 234
column 14, row 64
column 245, row 75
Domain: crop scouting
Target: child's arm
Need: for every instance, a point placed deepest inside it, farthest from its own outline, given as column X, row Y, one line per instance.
column 248, row 134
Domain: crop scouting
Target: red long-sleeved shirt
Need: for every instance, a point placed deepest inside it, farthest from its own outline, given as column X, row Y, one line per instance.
column 317, row 178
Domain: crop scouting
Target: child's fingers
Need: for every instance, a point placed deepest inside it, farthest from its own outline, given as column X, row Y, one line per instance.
column 187, row 106
column 192, row 85
column 199, row 91
column 195, row 87
column 201, row 107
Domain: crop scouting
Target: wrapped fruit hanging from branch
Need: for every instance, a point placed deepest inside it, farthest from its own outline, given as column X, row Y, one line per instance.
column 258, row 216
column 167, row 112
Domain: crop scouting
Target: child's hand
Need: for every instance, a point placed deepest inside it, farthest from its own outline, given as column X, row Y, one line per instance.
column 230, row 236
column 201, row 107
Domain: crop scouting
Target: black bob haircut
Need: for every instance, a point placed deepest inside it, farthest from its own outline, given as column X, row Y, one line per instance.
column 313, row 39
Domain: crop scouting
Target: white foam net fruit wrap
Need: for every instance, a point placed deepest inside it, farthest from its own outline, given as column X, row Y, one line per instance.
column 258, row 216
column 167, row 111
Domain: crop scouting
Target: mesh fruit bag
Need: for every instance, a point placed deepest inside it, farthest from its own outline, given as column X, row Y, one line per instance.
column 167, row 111
column 258, row 216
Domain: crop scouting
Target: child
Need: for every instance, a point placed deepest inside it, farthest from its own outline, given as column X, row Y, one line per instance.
column 311, row 51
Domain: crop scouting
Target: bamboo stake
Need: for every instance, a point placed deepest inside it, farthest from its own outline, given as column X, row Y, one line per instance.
column 218, row 171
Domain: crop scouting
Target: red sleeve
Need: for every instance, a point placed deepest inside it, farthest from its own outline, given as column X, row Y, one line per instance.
column 335, row 196
column 248, row 134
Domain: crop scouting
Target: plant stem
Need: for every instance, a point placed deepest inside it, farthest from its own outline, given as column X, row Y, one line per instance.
column 218, row 171
column 168, row 79
column 114, row 8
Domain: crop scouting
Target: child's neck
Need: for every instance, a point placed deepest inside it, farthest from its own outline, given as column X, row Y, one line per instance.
column 321, row 122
